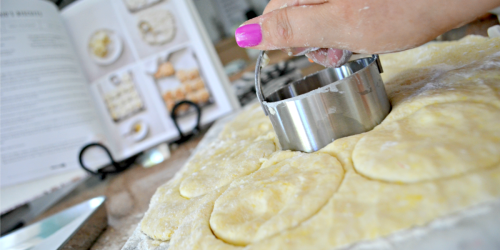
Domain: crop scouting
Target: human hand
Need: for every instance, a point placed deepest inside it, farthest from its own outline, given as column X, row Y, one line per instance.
column 356, row 25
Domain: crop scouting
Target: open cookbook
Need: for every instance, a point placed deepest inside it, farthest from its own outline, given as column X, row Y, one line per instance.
column 107, row 71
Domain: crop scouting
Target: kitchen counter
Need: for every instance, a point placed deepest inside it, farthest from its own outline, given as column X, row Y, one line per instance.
column 128, row 195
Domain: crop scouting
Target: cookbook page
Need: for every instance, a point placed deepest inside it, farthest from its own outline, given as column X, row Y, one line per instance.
column 47, row 113
column 142, row 57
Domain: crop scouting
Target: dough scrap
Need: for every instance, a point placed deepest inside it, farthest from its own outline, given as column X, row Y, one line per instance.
column 289, row 188
column 430, row 87
column 435, row 142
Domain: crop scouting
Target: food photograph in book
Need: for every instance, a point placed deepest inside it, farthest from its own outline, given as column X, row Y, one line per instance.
column 178, row 77
column 166, row 62
column 125, row 101
column 153, row 25
column 105, row 46
column 121, row 96
column 100, row 41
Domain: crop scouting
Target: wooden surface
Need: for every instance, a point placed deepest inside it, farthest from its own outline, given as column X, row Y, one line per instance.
column 228, row 51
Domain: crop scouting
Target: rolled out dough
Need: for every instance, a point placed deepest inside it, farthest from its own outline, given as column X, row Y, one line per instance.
column 435, row 154
column 224, row 163
column 212, row 169
column 289, row 188
column 250, row 124
column 437, row 141
column 442, row 72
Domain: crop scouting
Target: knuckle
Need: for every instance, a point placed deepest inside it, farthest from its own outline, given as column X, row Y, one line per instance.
column 284, row 32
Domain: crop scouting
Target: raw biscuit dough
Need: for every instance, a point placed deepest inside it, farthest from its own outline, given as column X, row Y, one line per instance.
column 251, row 123
column 450, row 87
column 437, row 141
column 289, row 188
column 211, row 169
column 230, row 160
column 442, row 72
column 167, row 209
column 361, row 209
column 364, row 209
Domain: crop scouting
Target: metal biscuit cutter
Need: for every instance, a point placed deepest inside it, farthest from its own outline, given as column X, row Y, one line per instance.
column 310, row 113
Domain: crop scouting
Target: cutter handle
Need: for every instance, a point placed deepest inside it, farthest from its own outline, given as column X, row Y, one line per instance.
column 258, row 84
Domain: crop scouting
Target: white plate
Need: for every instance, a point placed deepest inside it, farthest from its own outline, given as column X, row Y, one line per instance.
column 115, row 48
column 141, row 134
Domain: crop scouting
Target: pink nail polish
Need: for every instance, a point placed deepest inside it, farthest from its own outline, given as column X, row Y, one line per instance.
column 248, row 35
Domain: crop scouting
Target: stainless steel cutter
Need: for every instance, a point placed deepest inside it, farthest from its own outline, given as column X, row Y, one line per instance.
column 310, row 113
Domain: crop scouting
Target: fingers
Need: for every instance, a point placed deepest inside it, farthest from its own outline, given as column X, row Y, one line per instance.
column 356, row 25
column 331, row 58
column 297, row 27
column 280, row 4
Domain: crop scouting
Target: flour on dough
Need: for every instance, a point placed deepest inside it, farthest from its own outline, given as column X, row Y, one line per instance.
column 437, row 141
column 465, row 70
column 211, row 169
column 364, row 209
column 289, row 188
column 250, row 124
column 224, row 163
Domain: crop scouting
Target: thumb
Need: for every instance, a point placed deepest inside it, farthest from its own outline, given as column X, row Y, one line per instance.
column 302, row 26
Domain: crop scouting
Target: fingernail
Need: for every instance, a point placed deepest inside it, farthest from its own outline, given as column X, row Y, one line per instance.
column 248, row 35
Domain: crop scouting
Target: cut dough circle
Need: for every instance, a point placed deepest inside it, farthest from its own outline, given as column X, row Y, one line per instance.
column 289, row 188
column 435, row 142
column 223, row 164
